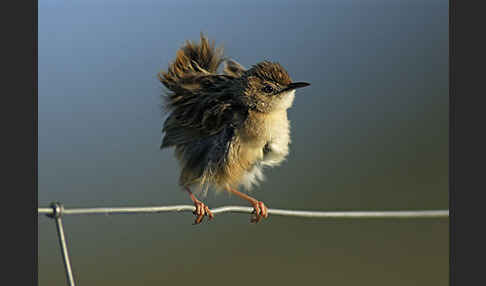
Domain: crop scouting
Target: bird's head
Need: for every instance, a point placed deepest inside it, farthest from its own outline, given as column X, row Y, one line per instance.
column 269, row 87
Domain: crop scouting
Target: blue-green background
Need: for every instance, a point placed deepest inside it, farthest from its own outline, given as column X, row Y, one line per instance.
column 370, row 133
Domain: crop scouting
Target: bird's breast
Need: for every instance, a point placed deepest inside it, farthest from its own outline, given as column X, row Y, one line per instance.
column 269, row 136
column 276, row 147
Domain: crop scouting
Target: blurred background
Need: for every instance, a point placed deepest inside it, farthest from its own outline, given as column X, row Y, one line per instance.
column 370, row 133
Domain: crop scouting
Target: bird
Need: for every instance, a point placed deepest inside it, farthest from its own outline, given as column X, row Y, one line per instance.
column 226, row 126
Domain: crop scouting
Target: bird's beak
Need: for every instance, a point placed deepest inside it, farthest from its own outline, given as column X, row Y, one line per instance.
column 295, row 85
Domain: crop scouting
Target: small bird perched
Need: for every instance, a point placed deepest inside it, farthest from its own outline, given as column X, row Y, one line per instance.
column 225, row 127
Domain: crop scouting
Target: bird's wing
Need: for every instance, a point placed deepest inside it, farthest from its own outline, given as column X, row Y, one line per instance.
column 200, row 107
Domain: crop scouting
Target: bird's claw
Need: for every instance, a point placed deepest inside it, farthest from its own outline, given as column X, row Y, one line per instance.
column 259, row 211
column 201, row 211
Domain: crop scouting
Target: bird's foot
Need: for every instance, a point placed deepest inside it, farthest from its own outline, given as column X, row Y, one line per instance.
column 259, row 211
column 259, row 208
column 201, row 211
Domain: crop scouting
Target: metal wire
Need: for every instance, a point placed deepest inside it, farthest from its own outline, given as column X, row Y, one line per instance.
column 239, row 209
column 57, row 212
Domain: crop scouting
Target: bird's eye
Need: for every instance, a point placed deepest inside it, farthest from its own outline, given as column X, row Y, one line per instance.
column 267, row 89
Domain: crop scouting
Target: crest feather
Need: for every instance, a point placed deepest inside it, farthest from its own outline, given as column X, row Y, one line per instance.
column 271, row 72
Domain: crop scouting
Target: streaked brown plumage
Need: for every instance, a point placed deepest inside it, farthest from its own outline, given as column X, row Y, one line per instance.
column 225, row 127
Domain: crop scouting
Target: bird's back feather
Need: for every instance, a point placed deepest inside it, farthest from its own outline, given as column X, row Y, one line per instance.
column 200, row 101
column 204, row 110
column 192, row 59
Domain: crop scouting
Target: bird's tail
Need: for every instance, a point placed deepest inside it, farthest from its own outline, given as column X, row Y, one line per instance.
column 192, row 59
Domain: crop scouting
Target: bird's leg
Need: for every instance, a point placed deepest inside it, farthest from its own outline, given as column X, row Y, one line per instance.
column 260, row 210
column 201, row 208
